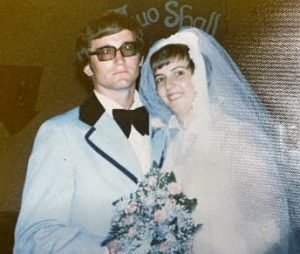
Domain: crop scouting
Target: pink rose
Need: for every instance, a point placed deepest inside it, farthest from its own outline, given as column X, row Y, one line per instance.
column 163, row 247
column 128, row 220
column 174, row 188
column 160, row 215
column 131, row 208
column 131, row 231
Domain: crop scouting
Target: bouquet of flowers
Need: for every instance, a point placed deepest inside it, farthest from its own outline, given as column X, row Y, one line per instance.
column 157, row 218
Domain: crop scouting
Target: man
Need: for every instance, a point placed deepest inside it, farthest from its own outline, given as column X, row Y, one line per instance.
column 85, row 159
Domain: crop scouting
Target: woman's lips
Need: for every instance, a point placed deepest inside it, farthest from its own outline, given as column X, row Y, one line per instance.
column 174, row 96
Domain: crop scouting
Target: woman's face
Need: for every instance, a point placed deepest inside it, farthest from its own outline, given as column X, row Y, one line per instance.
column 174, row 86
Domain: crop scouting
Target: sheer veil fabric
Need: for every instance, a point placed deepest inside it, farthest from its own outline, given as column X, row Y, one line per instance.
column 226, row 155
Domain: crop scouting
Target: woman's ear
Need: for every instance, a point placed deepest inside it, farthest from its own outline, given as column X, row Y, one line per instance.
column 87, row 70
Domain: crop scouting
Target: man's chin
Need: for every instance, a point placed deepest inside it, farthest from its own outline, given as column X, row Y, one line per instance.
column 124, row 85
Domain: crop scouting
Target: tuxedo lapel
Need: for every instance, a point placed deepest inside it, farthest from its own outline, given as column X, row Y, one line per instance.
column 91, row 110
column 107, row 139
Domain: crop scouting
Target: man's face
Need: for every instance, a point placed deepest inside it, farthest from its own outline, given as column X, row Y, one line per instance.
column 119, row 73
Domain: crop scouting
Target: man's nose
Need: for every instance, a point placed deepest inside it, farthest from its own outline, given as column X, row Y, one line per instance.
column 119, row 57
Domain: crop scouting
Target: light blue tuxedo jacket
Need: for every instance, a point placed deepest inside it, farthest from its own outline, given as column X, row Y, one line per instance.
column 75, row 172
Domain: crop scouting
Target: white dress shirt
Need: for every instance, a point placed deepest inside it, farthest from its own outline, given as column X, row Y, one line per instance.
column 140, row 143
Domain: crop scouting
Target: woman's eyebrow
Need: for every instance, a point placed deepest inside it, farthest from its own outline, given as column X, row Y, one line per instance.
column 179, row 67
column 157, row 75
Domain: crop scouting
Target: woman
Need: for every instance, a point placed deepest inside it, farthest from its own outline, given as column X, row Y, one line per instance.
column 221, row 144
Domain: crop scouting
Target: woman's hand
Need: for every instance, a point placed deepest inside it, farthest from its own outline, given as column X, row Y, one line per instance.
column 112, row 247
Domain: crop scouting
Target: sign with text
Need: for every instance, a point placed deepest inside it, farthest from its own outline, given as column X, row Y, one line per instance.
column 159, row 19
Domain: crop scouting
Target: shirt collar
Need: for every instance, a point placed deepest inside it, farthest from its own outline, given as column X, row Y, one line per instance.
column 110, row 104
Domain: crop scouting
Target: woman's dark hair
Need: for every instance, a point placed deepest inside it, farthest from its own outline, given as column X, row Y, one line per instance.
column 170, row 52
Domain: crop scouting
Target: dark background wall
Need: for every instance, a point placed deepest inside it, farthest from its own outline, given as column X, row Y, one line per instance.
column 37, row 72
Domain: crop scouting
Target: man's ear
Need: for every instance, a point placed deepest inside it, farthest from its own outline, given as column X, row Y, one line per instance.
column 87, row 70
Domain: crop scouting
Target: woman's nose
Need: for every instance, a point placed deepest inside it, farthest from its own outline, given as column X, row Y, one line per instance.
column 170, row 82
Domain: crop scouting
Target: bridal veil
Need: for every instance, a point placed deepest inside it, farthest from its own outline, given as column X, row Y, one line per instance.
column 227, row 156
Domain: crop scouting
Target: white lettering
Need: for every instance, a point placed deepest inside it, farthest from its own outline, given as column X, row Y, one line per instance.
column 184, row 18
column 144, row 21
column 176, row 15
column 148, row 17
column 171, row 21
column 202, row 20
column 216, row 22
column 153, row 15
column 122, row 9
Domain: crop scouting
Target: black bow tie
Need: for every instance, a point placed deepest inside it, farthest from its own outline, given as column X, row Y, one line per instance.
column 138, row 117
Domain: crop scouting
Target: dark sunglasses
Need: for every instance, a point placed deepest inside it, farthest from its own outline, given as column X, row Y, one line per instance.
column 107, row 53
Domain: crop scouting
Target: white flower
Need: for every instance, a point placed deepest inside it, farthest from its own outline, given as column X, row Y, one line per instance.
column 144, row 217
column 152, row 181
column 169, row 205
column 149, row 201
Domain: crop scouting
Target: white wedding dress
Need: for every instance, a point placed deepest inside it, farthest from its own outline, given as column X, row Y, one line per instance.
column 240, row 200
column 226, row 154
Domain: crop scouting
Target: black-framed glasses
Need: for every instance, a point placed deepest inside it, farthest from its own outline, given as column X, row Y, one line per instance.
column 107, row 53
